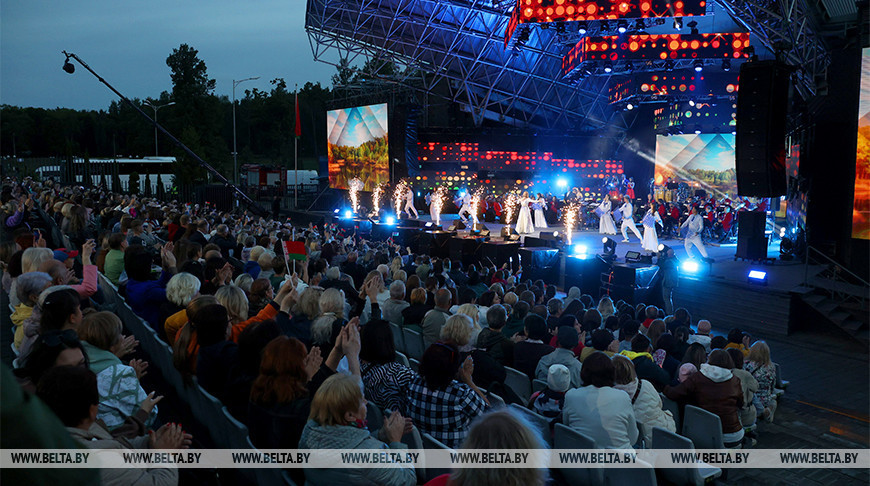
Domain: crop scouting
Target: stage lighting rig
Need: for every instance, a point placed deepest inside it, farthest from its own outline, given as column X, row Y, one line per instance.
column 726, row 65
column 622, row 26
column 609, row 250
column 678, row 23
column 68, row 66
column 582, row 28
column 694, row 26
column 698, row 65
column 608, row 67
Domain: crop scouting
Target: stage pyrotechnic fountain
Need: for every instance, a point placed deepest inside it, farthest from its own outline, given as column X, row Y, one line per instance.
column 570, row 216
column 437, row 201
column 377, row 194
column 511, row 200
column 354, row 187
column 476, row 197
column 399, row 196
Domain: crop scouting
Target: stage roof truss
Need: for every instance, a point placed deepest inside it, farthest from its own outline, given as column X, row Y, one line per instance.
column 461, row 44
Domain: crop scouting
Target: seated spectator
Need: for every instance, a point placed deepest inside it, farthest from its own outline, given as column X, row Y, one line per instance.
column 51, row 348
column 738, row 340
column 114, row 264
column 393, row 307
column 260, row 296
column 439, row 404
column 473, row 313
column 598, row 410
column 686, row 370
column 29, row 286
column 385, row 380
column 325, row 329
column 244, row 282
column 681, row 318
column 498, row 430
column 412, row 316
column 666, row 345
column 252, row 341
column 145, row 295
column 682, row 335
column 602, row 340
column 337, row 421
column 493, row 341
column 528, row 352
column 645, row 400
column 703, row 335
column 718, row 342
column 516, row 322
column 656, row 328
column 72, row 394
column 715, row 389
column 695, row 355
column 217, row 356
column 748, row 384
column 567, row 339
column 59, row 310
column 296, row 321
column 252, row 267
column 569, row 320
column 591, row 321
column 435, row 318
column 763, row 370
column 573, row 294
column 549, row 401
column 121, row 394
column 236, row 303
column 181, row 289
column 627, row 332
column 644, row 365
column 605, row 307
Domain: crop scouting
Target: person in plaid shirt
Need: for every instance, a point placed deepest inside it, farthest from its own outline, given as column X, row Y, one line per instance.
column 439, row 404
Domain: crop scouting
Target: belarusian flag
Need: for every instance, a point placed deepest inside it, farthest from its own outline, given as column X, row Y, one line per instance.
column 294, row 250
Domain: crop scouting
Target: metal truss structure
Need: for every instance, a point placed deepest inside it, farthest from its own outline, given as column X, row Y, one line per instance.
column 455, row 49
column 790, row 29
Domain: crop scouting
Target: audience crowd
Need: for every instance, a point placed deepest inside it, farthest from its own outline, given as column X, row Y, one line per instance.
column 300, row 348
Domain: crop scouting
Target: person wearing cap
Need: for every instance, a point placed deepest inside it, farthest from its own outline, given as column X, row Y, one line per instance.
column 66, row 256
column 60, row 269
column 702, row 337
column 549, row 401
column 567, row 339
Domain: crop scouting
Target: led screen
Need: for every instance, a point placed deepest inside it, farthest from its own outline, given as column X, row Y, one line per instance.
column 357, row 146
column 861, row 205
column 704, row 161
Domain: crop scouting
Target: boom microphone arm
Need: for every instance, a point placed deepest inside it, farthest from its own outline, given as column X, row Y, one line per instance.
column 217, row 175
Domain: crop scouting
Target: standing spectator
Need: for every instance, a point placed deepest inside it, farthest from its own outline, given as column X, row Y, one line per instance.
column 144, row 294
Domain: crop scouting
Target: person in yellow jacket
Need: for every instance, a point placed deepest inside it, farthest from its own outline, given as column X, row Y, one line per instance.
column 29, row 286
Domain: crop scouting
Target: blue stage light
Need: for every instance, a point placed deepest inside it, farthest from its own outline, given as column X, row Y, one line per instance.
column 757, row 277
column 580, row 249
column 348, row 214
column 336, row 211
column 391, row 220
column 562, row 183
column 690, row 266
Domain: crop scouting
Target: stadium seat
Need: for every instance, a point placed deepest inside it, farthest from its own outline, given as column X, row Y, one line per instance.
column 374, row 417
column 567, row 438
column 398, row 337
column 537, row 421
column 414, row 440
column 402, row 359
column 414, row 346
column 539, row 385
column 518, row 382
column 703, row 428
column 674, row 407
column 495, row 401
column 430, row 442
column 414, row 364
column 635, row 476
column 269, row 475
column 667, row 440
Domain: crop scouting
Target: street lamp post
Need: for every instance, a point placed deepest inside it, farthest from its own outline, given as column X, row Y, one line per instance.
column 155, row 108
column 235, row 152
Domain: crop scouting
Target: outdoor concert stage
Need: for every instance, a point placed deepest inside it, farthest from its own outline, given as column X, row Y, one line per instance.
column 719, row 291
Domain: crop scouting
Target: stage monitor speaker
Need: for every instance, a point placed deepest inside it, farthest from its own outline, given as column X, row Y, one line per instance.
column 762, row 106
column 751, row 240
column 457, row 225
column 481, row 229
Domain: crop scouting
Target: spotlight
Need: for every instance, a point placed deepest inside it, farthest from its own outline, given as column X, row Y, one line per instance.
column 391, row 220
column 621, row 26
column 605, row 26
column 662, row 247
column 629, row 107
column 608, row 67
column 678, row 23
column 68, row 66
column 336, row 211
column 757, row 277
column 562, row 183
column 609, row 246
column 629, row 66
column 582, row 28
column 691, row 102
column 429, row 224
column 555, row 233
column 669, row 65
column 690, row 266
column 694, row 26
column 639, row 24
column 726, row 65
column 698, row 65
column 348, row 214
column 580, row 249
column 697, row 130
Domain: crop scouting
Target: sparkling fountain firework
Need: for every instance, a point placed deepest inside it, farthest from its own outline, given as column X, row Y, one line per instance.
column 377, row 195
column 511, row 200
column 476, row 198
column 570, row 215
column 399, row 196
column 355, row 185
column 437, row 200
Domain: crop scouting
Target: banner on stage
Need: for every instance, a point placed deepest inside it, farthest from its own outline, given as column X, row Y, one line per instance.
column 435, row 458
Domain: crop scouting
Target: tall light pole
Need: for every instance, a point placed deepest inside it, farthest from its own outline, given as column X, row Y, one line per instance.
column 155, row 108
column 235, row 152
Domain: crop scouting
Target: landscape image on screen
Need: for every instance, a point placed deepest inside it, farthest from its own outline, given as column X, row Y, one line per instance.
column 861, row 207
column 704, row 161
column 357, row 146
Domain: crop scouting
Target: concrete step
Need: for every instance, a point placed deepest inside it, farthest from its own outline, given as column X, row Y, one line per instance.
column 852, row 326
column 839, row 316
column 826, row 307
column 814, row 299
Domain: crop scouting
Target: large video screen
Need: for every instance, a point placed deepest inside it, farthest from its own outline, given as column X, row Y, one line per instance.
column 861, row 207
column 704, row 161
column 357, row 146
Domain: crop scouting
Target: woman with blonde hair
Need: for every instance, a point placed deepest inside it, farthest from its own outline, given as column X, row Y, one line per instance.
column 764, row 371
column 472, row 311
column 645, row 399
column 337, row 421
column 325, row 329
column 180, row 290
column 605, row 308
column 498, row 430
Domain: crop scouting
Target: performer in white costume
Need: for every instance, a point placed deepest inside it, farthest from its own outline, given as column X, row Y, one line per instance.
column 627, row 211
column 694, row 225
column 540, row 205
column 467, row 207
column 650, row 241
column 409, row 203
column 525, row 225
column 605, row 223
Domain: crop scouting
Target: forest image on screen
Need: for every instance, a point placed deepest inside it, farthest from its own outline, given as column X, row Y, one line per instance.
column 357, row 146
column 861, row 207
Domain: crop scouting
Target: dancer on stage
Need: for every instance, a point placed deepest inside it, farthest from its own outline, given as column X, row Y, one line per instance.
column 629, row 190
column 627, row 211
column 525, row 225
column 694, row 224
column 467, row 206
column 539, row 205
column 605, row 223
column 409, row 203
column 650, row 241
column 436, row 202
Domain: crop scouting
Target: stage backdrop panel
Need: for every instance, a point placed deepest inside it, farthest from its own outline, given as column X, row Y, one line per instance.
column 357, row 146
column 861, row 206
column 705, row 161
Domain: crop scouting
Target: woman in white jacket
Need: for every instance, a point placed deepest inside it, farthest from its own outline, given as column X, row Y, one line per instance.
column 645, row 400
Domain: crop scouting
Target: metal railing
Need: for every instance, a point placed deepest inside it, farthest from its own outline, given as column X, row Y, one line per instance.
column 840, row 283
